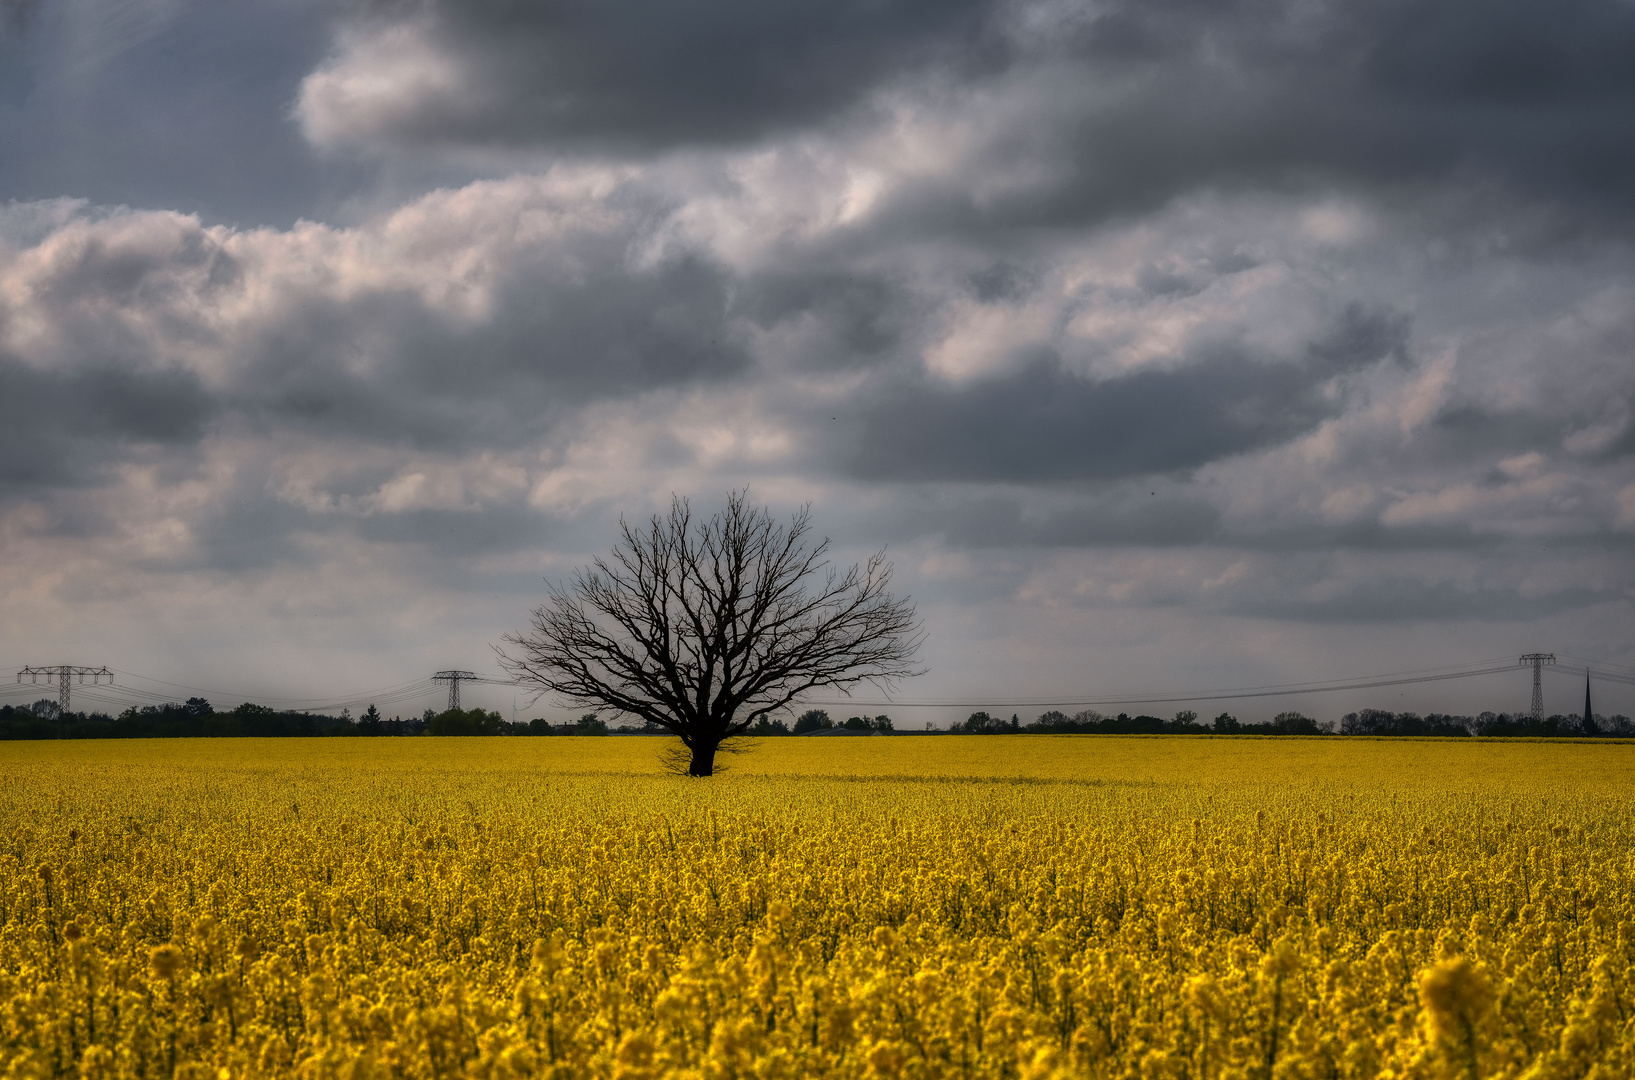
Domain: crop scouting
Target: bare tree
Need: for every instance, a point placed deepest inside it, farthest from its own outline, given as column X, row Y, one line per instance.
column 705, row 629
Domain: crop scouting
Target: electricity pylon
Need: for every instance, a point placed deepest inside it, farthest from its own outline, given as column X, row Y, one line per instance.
column 454, row 679
column 1538, row 660
column 65, row 674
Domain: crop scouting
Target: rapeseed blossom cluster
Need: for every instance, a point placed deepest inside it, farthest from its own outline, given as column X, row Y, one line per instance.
column 907, row 907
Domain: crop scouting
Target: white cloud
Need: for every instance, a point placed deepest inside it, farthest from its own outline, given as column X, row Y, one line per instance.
column 380, row 78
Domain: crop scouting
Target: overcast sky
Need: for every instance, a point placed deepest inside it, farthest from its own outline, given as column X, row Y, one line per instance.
column 1167, row 345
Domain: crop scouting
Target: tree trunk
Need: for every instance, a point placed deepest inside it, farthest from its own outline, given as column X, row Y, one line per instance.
column 703, row 763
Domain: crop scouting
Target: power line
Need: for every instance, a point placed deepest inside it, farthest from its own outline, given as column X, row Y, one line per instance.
column 389, row 695
column 423, row 687
column 1490, row 662
column 1600, row 666
column 126, row 694
column 226, row 694
column 1595, row 673
column 1218, row 695
column 384, row 696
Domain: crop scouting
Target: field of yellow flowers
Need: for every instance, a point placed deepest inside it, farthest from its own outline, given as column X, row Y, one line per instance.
column 923, row 907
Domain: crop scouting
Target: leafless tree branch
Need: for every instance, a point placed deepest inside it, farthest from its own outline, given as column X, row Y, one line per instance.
column 703, row 629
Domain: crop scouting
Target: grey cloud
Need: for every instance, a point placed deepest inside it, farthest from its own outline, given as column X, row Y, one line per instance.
column 1575, row 52
column 374, row 356
column 1282, row 94
column 165, row 105
column 1469, row 432
column 1002, row 280
column 1158, row 513
column 451, row 533
column 249, row 526
column 158, row 407
column 140, row 272
column 554, row 342
column 624, row 72
column 613, row 330
column 250, row 529
column 1624, row 444
column 852, row 317
column 1131, row 520
column 1044, row 423
column 247, row 529
column 1368, row 535
column 66, row 429
column 1120, row 517
column 1127, row 105
column 1399, row 599
column 358, row 362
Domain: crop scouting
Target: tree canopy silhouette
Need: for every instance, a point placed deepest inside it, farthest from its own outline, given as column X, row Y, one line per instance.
column 704, row 629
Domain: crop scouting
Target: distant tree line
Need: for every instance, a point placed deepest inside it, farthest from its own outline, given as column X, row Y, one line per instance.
column 818, row 720
column 1091, row 722
column 1373, row 722
column 195, row 718
column 813, row 720
column 1487, row 724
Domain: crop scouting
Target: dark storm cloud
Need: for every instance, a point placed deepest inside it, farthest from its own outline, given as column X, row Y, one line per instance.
column 1102, row 518
column 1045, row 423
column 1468, row 431
column 555, row 341
column 627, row 72
column 67, row 430
column 611, row 330
column 1125, row 105
column 1534, row 98
column 857, row 318
column 1003, row 280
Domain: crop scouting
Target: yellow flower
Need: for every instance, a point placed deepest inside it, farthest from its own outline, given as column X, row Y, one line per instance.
column 165, row 961
column 1457, row 998
column 1032, row 907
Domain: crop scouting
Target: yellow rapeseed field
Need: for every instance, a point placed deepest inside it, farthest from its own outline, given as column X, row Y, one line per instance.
column 1026, row 906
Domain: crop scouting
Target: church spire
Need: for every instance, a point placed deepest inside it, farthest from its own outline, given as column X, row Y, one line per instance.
column 1589, row 717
